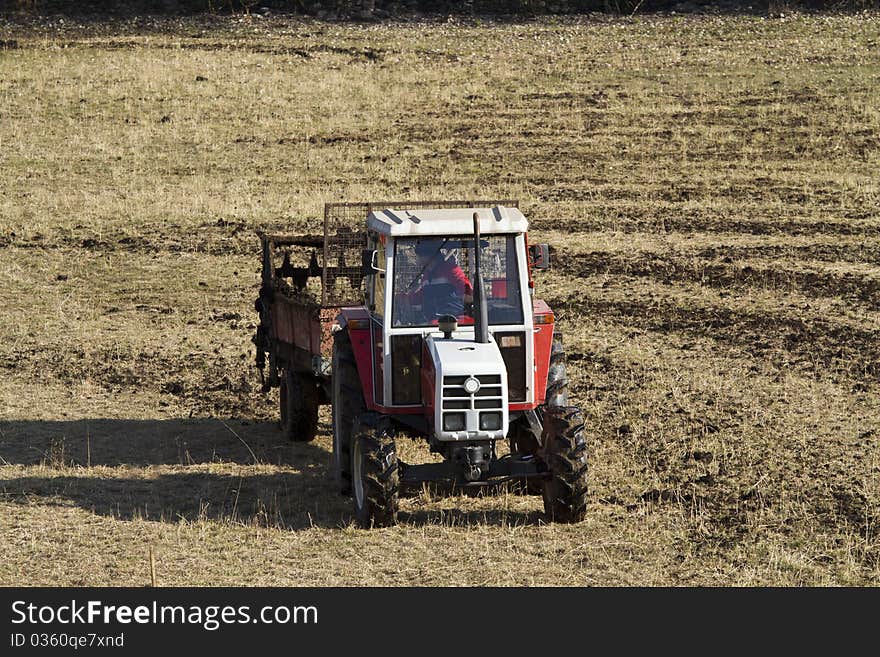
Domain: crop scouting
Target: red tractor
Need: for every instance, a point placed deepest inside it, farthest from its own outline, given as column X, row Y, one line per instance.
column 420, row 318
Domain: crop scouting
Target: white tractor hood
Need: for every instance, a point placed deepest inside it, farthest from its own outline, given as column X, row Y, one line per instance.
column 460, row 362
column 461, row 356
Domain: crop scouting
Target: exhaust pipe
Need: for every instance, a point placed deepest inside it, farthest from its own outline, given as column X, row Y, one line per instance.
column 481, row 326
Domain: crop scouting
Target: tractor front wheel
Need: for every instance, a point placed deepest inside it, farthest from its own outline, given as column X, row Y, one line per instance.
column 299, row 406
column 375, row 475
column 565, row 454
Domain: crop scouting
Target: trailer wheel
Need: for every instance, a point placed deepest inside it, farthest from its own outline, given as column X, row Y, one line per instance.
column 565, row 453
column 375, row 472
column 299, row 406
column 347, row 399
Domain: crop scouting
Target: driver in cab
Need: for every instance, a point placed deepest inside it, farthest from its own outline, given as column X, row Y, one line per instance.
column 441, row 286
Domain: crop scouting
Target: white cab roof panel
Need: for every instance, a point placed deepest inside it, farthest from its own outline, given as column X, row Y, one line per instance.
column 449, row 221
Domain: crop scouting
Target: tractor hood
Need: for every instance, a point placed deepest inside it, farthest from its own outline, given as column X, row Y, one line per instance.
column 470, row 394
column 461, row 355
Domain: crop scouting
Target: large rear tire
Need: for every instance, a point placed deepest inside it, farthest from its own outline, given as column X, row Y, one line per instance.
column 299, row 406
column 565, row 453
column 347, row 399
column 375, row 472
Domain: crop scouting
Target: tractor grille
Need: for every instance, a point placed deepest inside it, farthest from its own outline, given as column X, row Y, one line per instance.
column 490, row 394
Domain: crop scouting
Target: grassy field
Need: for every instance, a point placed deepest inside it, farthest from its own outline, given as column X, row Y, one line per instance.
column 708, row 184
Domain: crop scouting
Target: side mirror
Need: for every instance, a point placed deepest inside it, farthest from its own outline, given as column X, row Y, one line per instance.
column 539, row 254
column 370, row 262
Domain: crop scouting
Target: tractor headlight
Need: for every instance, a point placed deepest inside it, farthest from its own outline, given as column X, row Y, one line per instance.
column 490, row 421
column 471, row 385
column 453, row 422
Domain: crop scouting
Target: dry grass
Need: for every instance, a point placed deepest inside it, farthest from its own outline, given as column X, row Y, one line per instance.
column 709, row 187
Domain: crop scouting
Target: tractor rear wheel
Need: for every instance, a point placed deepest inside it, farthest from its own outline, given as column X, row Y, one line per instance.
column 347, row 399
column 299, row 406
column 375, row 472
column 565, row 453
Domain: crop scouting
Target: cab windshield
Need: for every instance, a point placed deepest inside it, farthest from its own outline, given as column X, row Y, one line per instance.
column 434, row 276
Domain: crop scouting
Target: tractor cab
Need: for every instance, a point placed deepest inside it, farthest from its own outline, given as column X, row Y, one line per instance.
column 451, row 320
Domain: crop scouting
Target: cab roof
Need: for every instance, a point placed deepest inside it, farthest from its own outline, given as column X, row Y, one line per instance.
column 448, row 221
